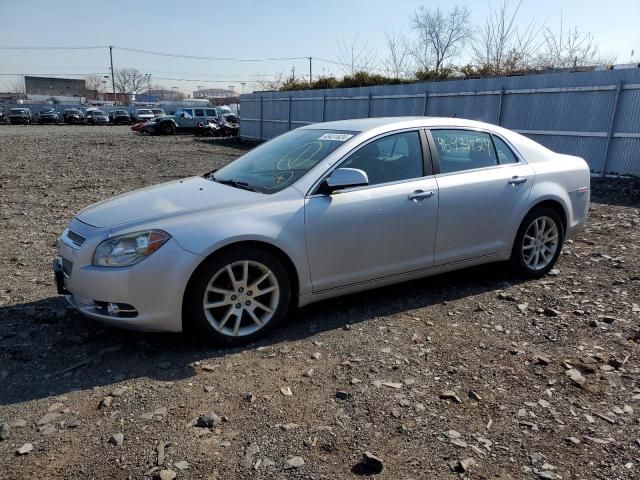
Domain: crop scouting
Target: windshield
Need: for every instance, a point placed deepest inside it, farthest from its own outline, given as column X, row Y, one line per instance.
column 145, row 111
column 282, row 161
column 17, row 110
column 158, row 112
column 121, row 112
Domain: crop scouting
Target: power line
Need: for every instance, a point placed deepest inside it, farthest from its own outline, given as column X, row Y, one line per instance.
column 228, row 80
column 54, row 74
column 92, row 47
column 196, row 57
column 162, row 54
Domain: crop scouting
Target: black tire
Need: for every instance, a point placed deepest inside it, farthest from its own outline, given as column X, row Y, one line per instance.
column 194, row 318
column 518, row 260
column 167, row 128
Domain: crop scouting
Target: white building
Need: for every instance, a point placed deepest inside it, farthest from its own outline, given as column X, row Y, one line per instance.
column 214, row 93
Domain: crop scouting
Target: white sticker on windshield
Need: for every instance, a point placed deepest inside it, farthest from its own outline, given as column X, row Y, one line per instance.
column 336, row 137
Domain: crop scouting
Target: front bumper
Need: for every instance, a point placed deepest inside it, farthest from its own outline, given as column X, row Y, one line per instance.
column 154, row 287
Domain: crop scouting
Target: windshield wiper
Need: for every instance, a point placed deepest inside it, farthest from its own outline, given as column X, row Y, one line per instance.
column 234, row 183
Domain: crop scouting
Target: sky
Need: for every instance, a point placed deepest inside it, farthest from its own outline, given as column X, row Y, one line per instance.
column 252, row 30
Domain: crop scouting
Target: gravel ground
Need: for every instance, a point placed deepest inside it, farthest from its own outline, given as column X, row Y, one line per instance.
column 474, row 373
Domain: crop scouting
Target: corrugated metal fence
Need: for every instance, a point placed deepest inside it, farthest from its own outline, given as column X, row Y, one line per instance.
column 595, row 115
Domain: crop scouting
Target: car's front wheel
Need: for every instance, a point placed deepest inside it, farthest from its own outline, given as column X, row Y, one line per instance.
column 538, row 243
column 167, row 128
column 237, row 296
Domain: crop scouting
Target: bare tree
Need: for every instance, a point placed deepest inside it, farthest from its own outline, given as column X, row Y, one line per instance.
column 95, row 85
column 354, row 57
column 129, row 80
column 442, row 35
column 568, row 48
column 500, row 45
column 398, row 61
column 265, row 82
column 15, row 86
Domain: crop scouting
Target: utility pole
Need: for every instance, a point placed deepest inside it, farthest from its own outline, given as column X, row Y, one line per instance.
column 148, row 75
column 113, row 78
column 310, row 71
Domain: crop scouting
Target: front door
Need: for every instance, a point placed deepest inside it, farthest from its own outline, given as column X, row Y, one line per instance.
column 385, row 228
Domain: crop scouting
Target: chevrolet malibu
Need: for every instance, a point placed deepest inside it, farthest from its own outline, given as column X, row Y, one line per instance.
column 321, row 211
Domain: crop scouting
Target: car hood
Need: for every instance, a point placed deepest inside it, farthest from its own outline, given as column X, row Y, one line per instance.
column 165, row 200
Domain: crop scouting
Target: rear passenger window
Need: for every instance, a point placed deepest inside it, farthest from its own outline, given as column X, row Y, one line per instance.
column 199, row 112
column 505, row 154
column 460, row 150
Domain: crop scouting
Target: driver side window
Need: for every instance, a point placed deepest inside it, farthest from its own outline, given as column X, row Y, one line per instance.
column 389, row 159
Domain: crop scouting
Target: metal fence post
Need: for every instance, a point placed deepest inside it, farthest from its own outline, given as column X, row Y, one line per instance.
column 369, row 106
column 324, row 107
column 612, row 122
column 289, row 117
column 426, row 104
column 499, row 119
column 261, row 118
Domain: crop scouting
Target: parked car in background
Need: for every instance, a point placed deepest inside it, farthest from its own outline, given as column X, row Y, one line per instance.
column 222, row 111
column 321, row 211
column 72, row 116
column 158, row 112
column 97, row 117
column 182, row 121
column 48, row 115
column 119, row 117
column 20, row 116
column 3, row 117
column 143, row 114
column 186, row 120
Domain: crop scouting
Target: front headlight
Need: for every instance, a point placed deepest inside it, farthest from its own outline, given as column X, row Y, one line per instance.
column 128, row 249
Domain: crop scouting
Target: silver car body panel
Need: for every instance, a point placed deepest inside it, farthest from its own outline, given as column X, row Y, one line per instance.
column 353, row 240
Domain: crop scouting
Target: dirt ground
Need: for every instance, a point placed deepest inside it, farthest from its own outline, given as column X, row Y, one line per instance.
column 474, row 374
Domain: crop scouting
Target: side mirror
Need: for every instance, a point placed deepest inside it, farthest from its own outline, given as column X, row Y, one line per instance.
column 344, row 178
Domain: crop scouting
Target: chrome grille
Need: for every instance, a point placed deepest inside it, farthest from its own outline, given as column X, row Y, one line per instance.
column 76, row 238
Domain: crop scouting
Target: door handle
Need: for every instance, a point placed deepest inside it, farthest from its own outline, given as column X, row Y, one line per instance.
column 420, row 195
column 516, row 180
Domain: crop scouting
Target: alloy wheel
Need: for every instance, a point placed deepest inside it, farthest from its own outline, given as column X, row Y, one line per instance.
column 241, row 298
column 540, row 243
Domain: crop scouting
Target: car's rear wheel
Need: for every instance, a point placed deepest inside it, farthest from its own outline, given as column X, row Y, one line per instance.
column 237, row 297
column 538, row 243
column 167, row 128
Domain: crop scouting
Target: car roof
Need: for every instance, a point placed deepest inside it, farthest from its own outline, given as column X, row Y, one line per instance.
column 366, row 124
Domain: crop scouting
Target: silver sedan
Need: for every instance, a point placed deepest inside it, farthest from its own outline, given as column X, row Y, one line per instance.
column 321, row 211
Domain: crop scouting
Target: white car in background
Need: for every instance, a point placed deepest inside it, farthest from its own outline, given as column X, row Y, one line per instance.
column 321, row 211
column 143, row 115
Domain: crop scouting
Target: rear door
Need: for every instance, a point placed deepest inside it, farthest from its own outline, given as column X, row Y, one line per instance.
column 483, row 187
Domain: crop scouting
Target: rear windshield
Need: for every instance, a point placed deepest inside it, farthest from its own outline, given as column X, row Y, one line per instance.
column 144, row 111
column 282, row 161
